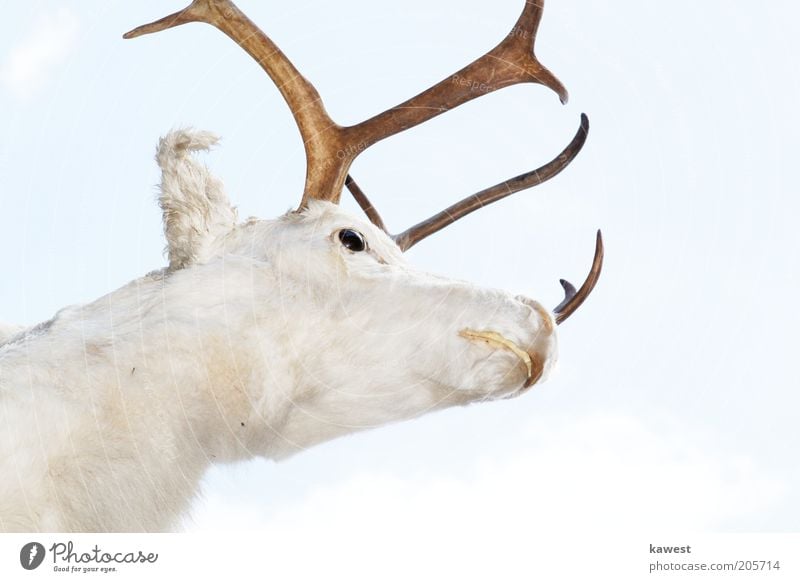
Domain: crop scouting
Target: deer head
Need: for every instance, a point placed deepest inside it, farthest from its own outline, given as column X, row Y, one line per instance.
column 351, row 310
column 266, row 336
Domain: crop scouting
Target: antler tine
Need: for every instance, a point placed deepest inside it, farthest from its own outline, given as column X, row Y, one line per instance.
column 331, row 148
column 365, row 204
column 574, row 299
column 409, row 237
column 511, row 62
column 448, row 216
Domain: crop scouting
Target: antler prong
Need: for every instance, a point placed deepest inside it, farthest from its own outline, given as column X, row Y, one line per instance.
column 408, row 238
column 574, row 299
column 192, row 13
column 365, row 204
column 509, row 63
column 448, row 216
column 569, row 293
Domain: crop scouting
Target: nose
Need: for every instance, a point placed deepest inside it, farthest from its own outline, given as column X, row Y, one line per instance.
column 547, row 320
column 545, row 325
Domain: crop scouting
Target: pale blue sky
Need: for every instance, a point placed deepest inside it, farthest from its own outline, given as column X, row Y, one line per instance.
column 678, row 378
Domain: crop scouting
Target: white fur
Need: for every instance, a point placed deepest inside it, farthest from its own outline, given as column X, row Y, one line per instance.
column 9, row 331
column 196, row 210
column 260, row 339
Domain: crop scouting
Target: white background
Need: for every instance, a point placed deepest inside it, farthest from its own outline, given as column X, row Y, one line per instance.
column 676, row 401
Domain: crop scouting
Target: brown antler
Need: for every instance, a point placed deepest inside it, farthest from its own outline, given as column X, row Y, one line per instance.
column 409, row 237
column 331, row 148
column 574, row 299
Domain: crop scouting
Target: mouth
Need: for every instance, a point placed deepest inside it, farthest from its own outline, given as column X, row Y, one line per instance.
column 533, row 366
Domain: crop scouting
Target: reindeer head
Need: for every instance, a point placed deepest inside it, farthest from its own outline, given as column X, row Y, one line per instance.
column 362, row 336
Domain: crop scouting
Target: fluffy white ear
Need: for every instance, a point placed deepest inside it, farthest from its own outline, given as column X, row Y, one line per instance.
column 196, row 209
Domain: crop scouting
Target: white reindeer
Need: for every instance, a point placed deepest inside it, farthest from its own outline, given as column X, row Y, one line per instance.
column 264, row 337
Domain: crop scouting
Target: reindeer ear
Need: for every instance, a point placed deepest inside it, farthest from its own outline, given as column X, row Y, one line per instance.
column 196, row 209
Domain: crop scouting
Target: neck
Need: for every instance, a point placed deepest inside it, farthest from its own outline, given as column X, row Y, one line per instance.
column 116, row 411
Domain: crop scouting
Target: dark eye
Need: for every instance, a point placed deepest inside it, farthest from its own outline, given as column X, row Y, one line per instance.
column 352, row 240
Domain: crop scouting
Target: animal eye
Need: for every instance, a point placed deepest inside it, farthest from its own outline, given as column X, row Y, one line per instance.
column 352, row 240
